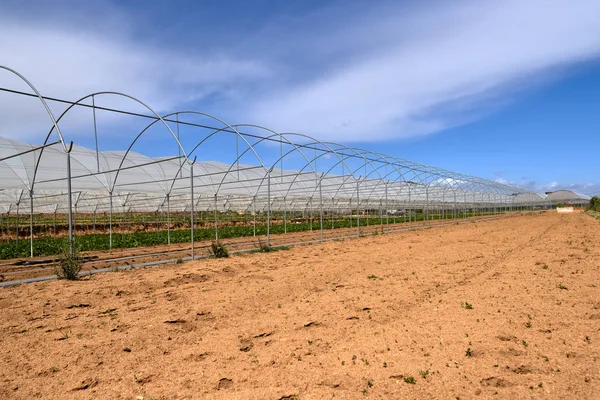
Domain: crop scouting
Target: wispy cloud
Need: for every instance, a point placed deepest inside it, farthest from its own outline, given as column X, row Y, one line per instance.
column 589, row 188
column 343, row 71
column 421, row 70
column 63, row 58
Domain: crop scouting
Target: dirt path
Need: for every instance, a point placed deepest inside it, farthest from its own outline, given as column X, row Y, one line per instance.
column 503, row 309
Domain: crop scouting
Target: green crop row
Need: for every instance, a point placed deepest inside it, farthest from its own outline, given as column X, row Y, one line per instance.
column 49, row 246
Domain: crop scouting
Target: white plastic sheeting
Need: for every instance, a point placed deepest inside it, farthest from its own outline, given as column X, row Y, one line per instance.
column 135, row 182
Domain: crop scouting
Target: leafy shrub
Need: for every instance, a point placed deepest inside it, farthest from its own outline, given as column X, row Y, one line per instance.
column 263, row 247
column 69, row 265
column 218, row 250
column 594, row 204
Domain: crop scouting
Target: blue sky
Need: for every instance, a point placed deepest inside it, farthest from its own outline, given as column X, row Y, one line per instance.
column 508, row 90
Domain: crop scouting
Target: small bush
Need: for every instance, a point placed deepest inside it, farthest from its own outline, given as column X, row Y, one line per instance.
column 263, row 247
column 69, row 265
column 466, row 305
column 218, row 250
column 594, row 204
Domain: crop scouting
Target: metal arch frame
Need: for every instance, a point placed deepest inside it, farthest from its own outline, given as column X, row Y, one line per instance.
column 273, row 134
column 384, row 163
column 402, row 164
column 341, row 159
column 356, row 153
column 78, row 102
column 281, row 136
column 226, row 126
column 327, row 145
column 437, row 179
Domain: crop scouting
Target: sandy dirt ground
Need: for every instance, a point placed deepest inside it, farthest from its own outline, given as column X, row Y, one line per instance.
column 503, row 309
column 15, row 269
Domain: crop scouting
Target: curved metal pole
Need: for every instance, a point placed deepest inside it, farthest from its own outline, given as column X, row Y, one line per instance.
column 158, row 118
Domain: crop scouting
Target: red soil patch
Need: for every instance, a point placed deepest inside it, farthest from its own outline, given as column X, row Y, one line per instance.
column 501, row 309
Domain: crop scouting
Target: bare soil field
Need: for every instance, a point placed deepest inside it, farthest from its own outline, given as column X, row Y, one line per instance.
column 43, row 266
column 502, row 309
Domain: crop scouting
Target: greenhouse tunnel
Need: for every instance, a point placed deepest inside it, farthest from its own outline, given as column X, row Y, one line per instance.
column 220, row 176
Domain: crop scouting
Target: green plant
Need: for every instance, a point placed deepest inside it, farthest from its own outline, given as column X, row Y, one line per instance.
column 218, row 250
column 594, row 204
column 372, row 276
column 263, row 247
column 410, row 379
column 424, row 373
column 466, row 305
column 562, row 287
column 544, row 266
column 69, row 264
column 468, row 352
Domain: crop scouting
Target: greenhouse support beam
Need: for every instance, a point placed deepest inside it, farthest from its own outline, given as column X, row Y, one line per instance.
column 17, row 225
column 217, row 221
column 454, row 209
column 70, row 199
column 168, row 218
column 110, row 219
column 192, row 210
column 409, row 208
column 269, row 207
column 284, row 214
column 332, row 208
column 381, row 214
column 321, row 203
column 358, row 206
column 310, row 209
column 254, row 212
column 426, row 205
column 387, row 219
column 31, row 223
column 443, row 206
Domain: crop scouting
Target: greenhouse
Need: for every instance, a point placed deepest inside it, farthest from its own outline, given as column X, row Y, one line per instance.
column 213, row 177
column 568, row 197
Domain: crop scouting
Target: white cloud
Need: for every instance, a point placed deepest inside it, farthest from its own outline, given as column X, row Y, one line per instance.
column 66, row 60
column 526, row 183
column 430, row 68
column 356, row 72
